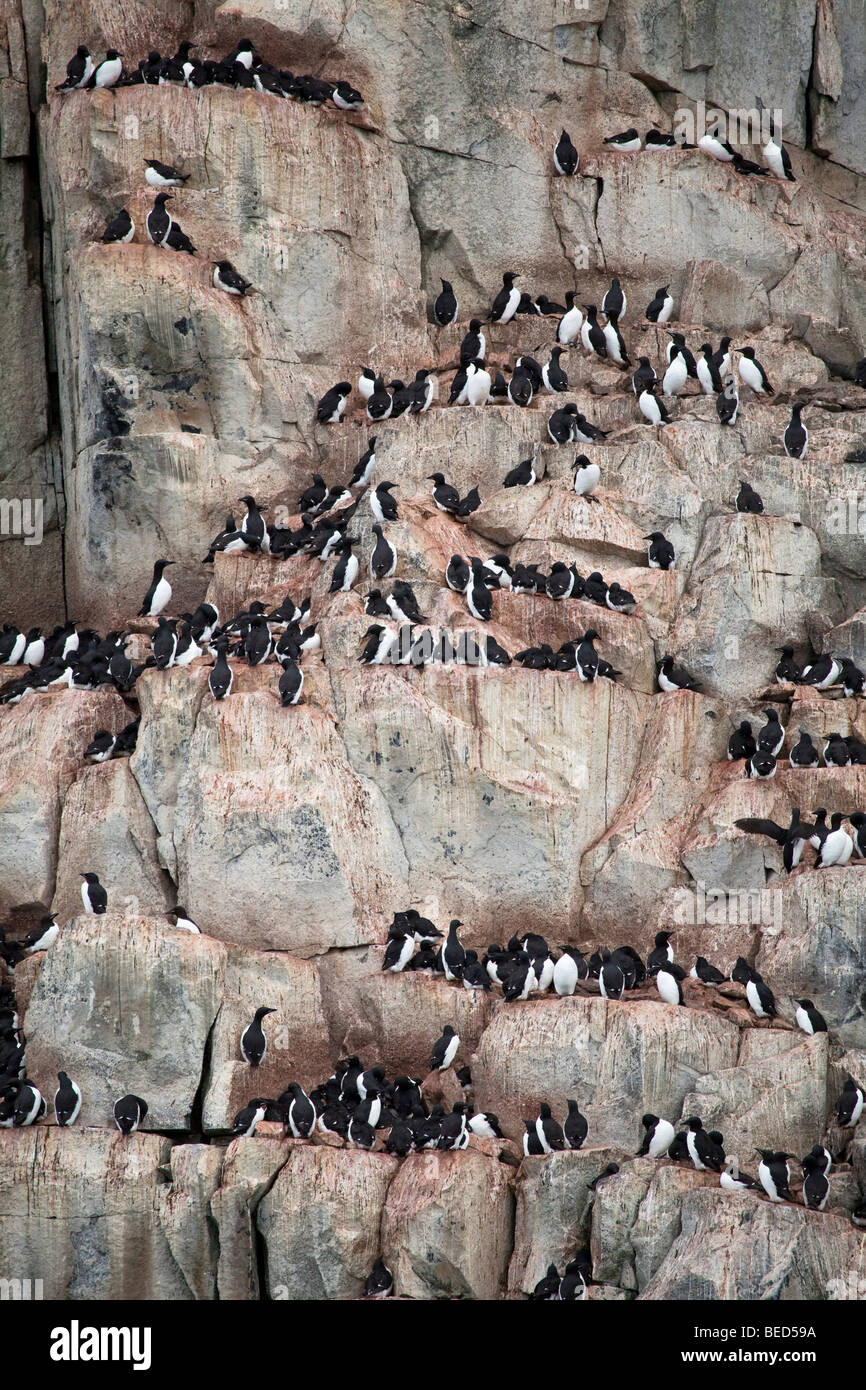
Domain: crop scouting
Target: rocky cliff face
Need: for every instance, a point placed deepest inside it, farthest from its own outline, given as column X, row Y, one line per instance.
column 141, row 402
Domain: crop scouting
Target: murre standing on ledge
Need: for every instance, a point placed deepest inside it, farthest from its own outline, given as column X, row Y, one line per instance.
column 444, row 1049
column 254, row 1044
column 565, row 156
column 661, row 306
column 93, row 895
column 67, row 1100
column 796, row 436
column 158, row 222
column 129, row 1112
column 445, row 305
column 505, row 304
column 159, row 592
column 774, row 1175
column 79, row 71
column 657, row 1139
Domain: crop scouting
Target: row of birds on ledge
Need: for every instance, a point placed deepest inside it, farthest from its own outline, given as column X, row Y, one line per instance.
column 475, row 385
column 527, row 965
column 357, row 1101
column 777, row 161
column 243, row 67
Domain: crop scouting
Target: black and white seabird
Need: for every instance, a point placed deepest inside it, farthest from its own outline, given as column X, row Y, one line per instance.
column 644, row 377
column 221, row 677
column 445, row 305
column 705, row 972
column 474, row 344
column 129, row 1112
column 816, row 1188
column 671, row 677
column 158, row 222
column 565, row 156
column 576, row 1126
column 444, row 1049
column 751, row 372
column 43, row 937
column 676, row 376
column 586, row 656
column 774, row 1174
column 748, row 500
column 549, row 1130
column 30, row 1106
column 808, row 1018
column 108, row 72
column 657, row 1139
column 160, row 175
column 659, row 140
column 728, row 401
column 760, row 997
column 796, row 436
column 330, row 409
column 383, row 556
column 804, row 753
column 668, row 982
column 571, row 322
column 662, row 952
column 380, row 404
column 364, row 467
column 67, row 1100
column 79, row 71
column 792, row 838
column 562, row 424
column 246, row 1120
column 398, row 953
column 522, row 475
column 159, row 592
column 711, row 143
column 733, row 1179
column 505, row 304
column 772, row 734
column 254, row 1044
column 661, row 306
column 592, row 333
column 849, row 1106
column 741, row 744
column 704, row 1151
column 182, row 920
column 301, row 1113
column 627, row 141
column 378, row 641
column 225, row 277
column 837, row 846
column 776, row 157
column 346, row 568
column 453, row 953
column 520, row 389
column 660, row 553
column 748, row 166
column 652, row 409
column 553, row 376
column 380, row 1280
column 121, row 228
column 611, row 979
column 93, row 895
